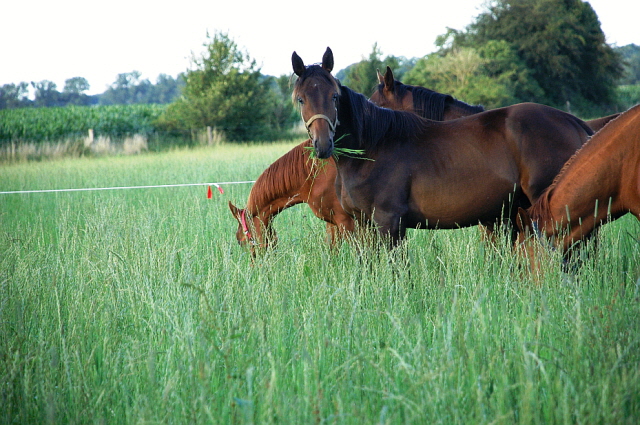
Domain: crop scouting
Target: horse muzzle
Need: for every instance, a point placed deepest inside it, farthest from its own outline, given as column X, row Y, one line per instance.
column 324, row 149
column 322, row 138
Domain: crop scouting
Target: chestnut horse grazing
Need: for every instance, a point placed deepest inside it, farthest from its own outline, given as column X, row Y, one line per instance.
column 292, row 179
column 432, row 174
column 295, row 178
column 393, row 94
column 601, row 182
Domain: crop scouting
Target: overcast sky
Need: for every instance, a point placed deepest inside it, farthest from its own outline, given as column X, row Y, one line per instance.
column 97, row 40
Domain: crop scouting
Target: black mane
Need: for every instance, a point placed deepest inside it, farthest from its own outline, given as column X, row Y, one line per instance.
column 431, row 104
column 370, row 125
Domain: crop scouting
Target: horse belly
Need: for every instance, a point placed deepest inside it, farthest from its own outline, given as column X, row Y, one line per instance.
column 460, row 205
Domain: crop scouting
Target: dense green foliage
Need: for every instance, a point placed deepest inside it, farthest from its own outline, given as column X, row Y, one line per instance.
column 138, row 306
column 225, row 90
column 53, row 124
column 628, row 95
column 560, row 49
column 492, row 75
column 631, row 55
column 362, row 76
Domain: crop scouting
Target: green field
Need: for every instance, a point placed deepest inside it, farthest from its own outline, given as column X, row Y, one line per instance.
column 138, row 306
column 58, row 123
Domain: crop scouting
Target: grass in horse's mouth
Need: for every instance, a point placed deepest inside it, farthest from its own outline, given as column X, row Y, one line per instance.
column 338, row 151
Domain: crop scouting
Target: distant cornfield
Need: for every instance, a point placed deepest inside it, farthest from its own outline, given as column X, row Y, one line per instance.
column 53, row 124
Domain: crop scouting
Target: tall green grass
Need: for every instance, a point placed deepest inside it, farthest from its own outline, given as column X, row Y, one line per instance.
column 139, row 307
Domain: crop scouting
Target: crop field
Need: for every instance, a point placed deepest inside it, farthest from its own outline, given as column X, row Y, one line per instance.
column 138, row 306
column 55, row 124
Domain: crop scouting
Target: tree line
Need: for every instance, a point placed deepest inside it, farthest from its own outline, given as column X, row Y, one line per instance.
column 128, row 88
column 545, row 51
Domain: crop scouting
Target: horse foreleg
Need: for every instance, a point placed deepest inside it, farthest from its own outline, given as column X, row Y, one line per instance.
column 391, row 228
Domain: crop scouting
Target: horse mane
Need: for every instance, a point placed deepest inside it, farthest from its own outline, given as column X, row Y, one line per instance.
column 370, row 124
column 431, row 104
column 286, row 173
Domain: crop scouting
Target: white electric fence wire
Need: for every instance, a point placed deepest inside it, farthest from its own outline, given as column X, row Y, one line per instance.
column 87, row 189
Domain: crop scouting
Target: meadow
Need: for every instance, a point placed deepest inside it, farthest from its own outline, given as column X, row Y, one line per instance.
column 139, row 306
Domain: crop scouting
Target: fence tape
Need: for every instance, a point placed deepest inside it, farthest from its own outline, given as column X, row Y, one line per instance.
column 87, row 189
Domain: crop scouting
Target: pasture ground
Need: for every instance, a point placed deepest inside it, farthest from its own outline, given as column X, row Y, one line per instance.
column 139, row 307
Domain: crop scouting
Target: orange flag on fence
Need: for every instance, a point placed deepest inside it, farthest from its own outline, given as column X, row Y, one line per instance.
column 209, row 193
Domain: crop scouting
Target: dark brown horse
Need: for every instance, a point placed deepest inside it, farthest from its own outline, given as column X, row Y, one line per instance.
column 432, row 174
column 295, row 178
column 601, row 182
column 292, row 179
column 393, row 94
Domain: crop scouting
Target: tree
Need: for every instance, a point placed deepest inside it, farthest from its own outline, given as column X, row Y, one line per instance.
column 491, row 75
column 76, row 85
column 166, row 89
column 631, row 55
column 46, row 94
column 129, row 88
column 73, row 92
column 224, row 89
column 285, row 115
column 14, row 96
column 559, row 41
column 362, row 77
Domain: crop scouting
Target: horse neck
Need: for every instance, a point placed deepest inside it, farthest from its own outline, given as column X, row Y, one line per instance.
column 283, row 184
column 363, row 125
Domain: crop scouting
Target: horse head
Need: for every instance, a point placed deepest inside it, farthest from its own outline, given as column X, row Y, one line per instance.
column 316, row 93
column 386, row 95
column 252, row 232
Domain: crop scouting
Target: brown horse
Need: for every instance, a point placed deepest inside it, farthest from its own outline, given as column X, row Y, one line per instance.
column 601, row 182
column 292, row 179
column 393, row 94
column 431, row 174
column 295, row 178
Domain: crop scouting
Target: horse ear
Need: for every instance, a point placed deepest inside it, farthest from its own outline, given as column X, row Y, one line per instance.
column 389, row 79
column 327, row 60
column 235, row 210
column 298, row 65
column 380, row 76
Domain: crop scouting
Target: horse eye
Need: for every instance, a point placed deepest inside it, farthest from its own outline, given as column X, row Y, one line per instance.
column 300, row 101
column 335, row 97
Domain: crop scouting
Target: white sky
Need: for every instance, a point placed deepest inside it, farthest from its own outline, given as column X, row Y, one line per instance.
column 58, row 40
